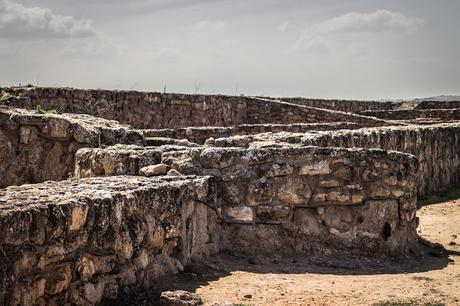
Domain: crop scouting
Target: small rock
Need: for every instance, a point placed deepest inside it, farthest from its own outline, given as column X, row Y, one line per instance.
column 153, row 170
column 174, row 172
column 248, row 296
column 180, row 298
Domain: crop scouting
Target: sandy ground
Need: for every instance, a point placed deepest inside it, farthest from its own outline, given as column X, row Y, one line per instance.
column 431, row 280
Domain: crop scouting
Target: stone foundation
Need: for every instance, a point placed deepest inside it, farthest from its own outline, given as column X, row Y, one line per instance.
column 39, row 147
column 79, row 242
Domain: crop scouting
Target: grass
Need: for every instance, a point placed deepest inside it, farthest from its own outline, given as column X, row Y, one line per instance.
column 451, row 193
column 71, row 177
column 42, row 111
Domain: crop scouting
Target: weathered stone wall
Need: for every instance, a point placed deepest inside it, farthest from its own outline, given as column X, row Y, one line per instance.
column 350, row 106
column 119, row 159
column 445, row 115
column 83, row 241
column 354, row 106
column 37, row 147
column 289, row 192
column 301, row 200
column 437, row 147
column 156, row 110
column 201, row 134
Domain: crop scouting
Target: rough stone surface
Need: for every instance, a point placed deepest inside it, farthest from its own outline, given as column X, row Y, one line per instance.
column 38, row 147
column 180, row 298
column 257, row 175
column 81, row 241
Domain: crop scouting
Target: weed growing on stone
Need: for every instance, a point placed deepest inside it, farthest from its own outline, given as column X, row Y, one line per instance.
column 42, row 111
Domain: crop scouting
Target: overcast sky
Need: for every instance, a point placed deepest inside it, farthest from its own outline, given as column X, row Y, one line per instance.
column 331, row 49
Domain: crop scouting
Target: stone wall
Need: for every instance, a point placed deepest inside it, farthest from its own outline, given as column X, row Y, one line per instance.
column 201, row 134
column 38, row 147
column 289, row 192
column 437, row 147
column 307, row 199
column 156, row 110
column 354, row 106
column 83, row 241
column 350, row 106
column 445, row 115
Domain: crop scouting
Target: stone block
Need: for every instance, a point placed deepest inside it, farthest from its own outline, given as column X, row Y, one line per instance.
column 154, row 170
column 242, row 214
column 272, row 213
column 295, row 192
column 318, row 168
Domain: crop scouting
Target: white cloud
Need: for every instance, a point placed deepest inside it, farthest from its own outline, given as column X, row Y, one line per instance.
column 16, row 20
column 352, row 26
column 378, row 21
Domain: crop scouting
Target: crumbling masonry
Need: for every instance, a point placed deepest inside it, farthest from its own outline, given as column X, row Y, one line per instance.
column 121, row 189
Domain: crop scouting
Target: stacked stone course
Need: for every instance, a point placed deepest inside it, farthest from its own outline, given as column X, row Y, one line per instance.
column 93, row 208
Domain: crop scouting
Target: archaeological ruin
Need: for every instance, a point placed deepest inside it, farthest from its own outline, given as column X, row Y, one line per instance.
column 104, row 190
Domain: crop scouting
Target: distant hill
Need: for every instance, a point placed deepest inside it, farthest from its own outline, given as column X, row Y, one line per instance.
column 439, row 98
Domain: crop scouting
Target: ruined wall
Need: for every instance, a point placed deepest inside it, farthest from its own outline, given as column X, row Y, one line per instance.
column 38, row 147
column 440, row 114
column 156, row 110
column 350, row 106
column 83, row 241
column 307, row 199
column 437, row 147
column 354, row 106
column 201, row 134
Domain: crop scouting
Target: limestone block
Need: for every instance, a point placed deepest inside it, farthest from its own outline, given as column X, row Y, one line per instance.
column 307, row 221
column 58, row 279
column 294, row 192
column 378, row 191
column 279, row 170
column 174, row 172
column 78, row 217
column 260, row 192
column 180, row 298
column 85, row 267
column 319, row 168
column 58, row 128
column 24, row 135
column 329, row 183
column 154, row 170
column 267, row 213
column 240, row 214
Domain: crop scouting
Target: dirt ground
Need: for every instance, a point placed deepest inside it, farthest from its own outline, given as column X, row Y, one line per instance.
column 433, row 279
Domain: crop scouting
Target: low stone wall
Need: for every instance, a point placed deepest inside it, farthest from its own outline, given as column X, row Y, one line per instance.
column 291, row 191
column 349, row 106
column 355, row 106
column 201, row 134
column 118, row 160
column 83, row 241
column 156, row 110
column 445, row 115
column 39, row 147
column 302, row 200
column 437, row 147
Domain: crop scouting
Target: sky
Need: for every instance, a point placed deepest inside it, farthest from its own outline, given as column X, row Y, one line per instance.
column 352, row 49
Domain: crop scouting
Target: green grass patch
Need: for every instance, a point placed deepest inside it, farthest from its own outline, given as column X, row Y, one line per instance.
column 42, row 111
column 451, row 193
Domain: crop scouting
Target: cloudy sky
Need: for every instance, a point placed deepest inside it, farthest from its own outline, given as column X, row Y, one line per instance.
column 331, row 48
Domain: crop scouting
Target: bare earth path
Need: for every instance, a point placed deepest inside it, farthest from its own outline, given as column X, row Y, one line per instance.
column 431, row 280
